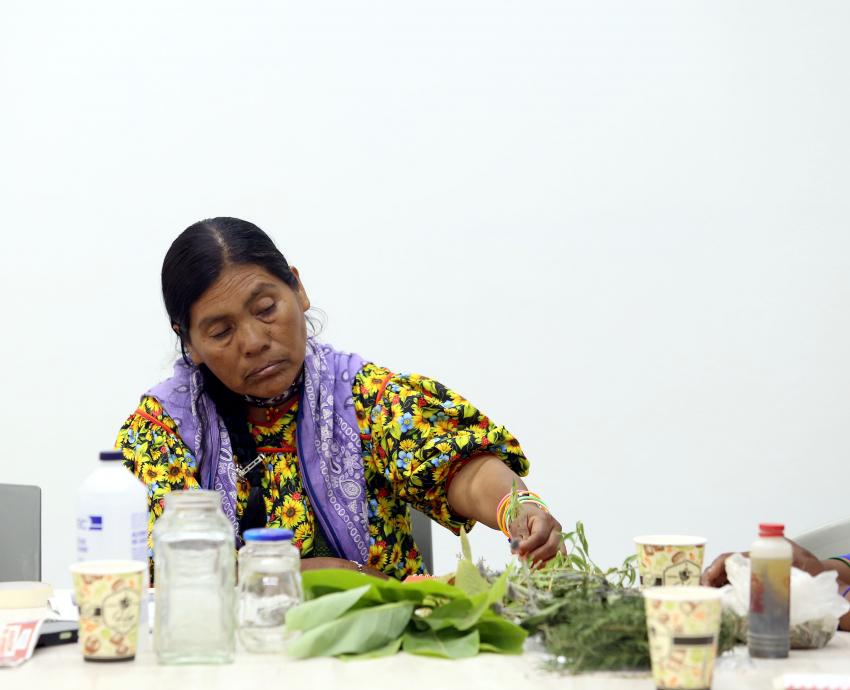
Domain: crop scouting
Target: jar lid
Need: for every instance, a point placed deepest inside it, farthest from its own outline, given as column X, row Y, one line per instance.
column 192, row 499
column 267, row 534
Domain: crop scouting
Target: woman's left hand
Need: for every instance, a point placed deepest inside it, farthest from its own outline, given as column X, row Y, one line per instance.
column 535, row 534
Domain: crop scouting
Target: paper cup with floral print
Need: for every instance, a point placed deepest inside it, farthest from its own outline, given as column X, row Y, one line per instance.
column 109, row 595
column 669, row 560
column 683, row 624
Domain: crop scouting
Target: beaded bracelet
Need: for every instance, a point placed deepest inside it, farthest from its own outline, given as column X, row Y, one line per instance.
column 844, row 593
column 523, row 496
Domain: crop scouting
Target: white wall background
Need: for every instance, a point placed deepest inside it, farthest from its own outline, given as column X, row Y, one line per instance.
column 619, row 227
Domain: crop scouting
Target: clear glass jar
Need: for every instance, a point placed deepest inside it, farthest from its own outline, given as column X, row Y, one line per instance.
column 269, row 585
column 194, row 577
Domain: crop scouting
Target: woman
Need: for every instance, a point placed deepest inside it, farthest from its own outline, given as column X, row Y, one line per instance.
column 295, row 434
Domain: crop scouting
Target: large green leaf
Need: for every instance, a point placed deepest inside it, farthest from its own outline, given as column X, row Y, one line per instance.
column 320, row 582
column 465, row 549
column 315, row 612
column 388, row 649
column 356, row 632
column 469, row 580
column 462, row 614
column 459, row 614
column 450, row 644
column 433, row 589
column 500, row 636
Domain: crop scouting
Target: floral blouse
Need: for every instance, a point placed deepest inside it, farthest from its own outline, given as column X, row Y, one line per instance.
column 415, row 435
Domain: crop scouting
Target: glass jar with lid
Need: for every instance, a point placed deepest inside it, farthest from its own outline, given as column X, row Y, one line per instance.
column 194, row 577
column 269, row 585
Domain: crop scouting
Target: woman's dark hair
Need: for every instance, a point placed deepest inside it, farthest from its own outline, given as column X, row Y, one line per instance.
column 192, row 264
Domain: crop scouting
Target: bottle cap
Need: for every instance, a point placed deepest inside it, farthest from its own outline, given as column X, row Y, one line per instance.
column 771, row 529
column 267, row 534
column 110, row 455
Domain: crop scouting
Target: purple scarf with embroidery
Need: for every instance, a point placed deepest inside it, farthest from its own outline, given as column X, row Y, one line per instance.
column 328, row 436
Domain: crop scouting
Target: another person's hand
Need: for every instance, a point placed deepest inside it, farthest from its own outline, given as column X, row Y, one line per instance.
column 535, row 534
column 715, row 574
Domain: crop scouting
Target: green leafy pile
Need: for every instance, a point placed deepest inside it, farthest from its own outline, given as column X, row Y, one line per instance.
column 590, row 619
column 355, row 616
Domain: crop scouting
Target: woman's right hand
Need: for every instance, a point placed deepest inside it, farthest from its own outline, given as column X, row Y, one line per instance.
column 536, row 535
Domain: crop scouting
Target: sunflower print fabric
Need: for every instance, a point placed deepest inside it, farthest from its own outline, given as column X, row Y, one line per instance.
column 415, row 434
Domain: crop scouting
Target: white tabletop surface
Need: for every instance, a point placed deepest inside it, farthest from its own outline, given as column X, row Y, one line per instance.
column 62, row 667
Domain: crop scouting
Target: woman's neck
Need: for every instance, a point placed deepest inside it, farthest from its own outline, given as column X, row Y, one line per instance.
column 261, row 409
column 264, row 416
column 279, row 399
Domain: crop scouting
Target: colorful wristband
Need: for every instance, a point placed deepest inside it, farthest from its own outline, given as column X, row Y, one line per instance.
column 523, row 496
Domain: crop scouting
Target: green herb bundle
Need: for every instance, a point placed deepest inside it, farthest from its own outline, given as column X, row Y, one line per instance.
column 590, row 619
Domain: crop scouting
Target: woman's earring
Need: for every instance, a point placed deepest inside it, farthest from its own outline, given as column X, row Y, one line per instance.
column 186, row 356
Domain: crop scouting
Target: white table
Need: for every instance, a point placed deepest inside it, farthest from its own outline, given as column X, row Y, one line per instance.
column 62, row 667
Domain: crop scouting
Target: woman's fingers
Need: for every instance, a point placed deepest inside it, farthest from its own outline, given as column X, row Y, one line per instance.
column 548, row 550
column 538, row 532
column 528, row 529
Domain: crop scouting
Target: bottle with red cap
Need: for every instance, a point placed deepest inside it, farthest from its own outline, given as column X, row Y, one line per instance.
column 770, row 593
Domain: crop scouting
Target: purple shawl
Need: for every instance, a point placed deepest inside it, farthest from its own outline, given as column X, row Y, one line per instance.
column 327, row 433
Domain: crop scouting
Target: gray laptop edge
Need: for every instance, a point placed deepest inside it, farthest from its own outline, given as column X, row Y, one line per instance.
column 20, row 533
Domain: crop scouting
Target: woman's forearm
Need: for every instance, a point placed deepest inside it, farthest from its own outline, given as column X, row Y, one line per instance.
column 844, row 621
column 478, row 487
column 323, row 562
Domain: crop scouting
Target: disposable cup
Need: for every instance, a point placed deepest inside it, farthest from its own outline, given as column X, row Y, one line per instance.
column 669, row 560
column 109, row 595
column 683, row 624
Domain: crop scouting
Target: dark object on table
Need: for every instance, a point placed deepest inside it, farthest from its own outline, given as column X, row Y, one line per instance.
column 57, row 632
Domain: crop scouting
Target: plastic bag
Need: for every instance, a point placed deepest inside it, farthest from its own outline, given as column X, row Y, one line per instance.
column 816, row 605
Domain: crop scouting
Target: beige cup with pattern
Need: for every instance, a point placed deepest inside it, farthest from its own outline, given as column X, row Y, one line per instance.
column 683, row 624
column 669, row 560
column 109, row 595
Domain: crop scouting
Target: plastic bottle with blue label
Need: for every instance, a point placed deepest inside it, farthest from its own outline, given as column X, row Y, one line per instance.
column 112, row 513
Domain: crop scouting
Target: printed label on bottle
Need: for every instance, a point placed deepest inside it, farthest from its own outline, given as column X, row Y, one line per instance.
column 90, row 523
column 139, row 537
column 770, row 588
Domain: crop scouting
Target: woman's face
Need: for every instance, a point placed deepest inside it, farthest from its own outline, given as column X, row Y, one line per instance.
column 249, row 329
